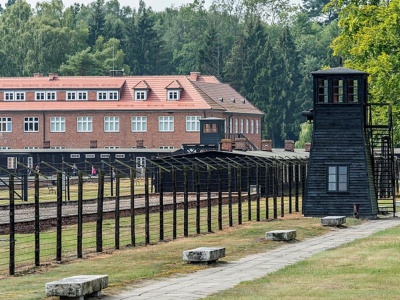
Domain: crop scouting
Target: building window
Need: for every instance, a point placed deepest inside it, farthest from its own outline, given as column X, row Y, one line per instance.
column 111, row 124
column 173, row 94
column 257, row 126
column 14, row 96
column 140, row 166
column 101, row 95
column 12, row 163
column 139, row 124
column 120, row 155
column 108, row 95
column 210, row 128
column 74, row 95
column 322, row 91
column 71, row 95
column 247, row 126
column 57, row 124
column 90, row 155
column 230, row 126
column 5, row 124
column 140, row 95
column 338, row 178
column 57, row 147
column 43, row 96
column 252, row 126
column 337, row 91
column 104, row 155
column 111, row 147
column 167, row 147
column 75, row 156
column 39, row 95
column 353, row 90
column 82, row 95
column 84, row 124
column 236, row 126
column 165, row 124
column 51, row 96
column 31, row 124
column 193, row 123
column 4, row 148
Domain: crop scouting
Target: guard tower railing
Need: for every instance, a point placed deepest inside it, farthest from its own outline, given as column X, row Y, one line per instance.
column 379, row 129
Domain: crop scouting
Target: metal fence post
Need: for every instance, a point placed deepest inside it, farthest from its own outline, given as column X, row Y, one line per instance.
column 12, row 225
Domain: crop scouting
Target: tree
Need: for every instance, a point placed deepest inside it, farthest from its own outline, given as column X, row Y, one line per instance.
column 305, row 135
column 96, row 25
column 369, row 41
column 83, row 63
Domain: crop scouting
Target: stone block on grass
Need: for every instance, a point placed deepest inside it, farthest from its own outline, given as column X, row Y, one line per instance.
column 333, row 220
column 280, row 235
column 203, row 254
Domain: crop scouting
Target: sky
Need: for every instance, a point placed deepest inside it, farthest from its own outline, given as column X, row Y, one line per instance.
column 157, row 5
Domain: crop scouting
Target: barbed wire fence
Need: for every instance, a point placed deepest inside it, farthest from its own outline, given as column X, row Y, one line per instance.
column 60, row 211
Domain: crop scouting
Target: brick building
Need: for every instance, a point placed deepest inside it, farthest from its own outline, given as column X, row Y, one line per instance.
column 118, row 112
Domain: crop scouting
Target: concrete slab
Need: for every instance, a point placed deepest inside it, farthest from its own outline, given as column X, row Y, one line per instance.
column 280, row 235
column 203, row 254
column 77, row 287
column 333, row 220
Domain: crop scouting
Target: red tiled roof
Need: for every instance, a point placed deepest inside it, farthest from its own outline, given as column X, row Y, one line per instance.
column 142, row 85
column 62, row 82
column 202, row 94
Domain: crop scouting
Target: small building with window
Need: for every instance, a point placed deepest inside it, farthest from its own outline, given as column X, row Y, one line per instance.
column 113, row 112
column 340, row 171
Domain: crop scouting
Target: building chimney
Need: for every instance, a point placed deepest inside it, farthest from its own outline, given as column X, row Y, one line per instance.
column 36, row 75
column 266, row 145
column 226, row 145
column 194, row 76
column 53, row 76
column 139, row 144
column 289, row 145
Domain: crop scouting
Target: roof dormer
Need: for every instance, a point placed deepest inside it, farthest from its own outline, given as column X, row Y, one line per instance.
column 174, row 90
column 141, row 91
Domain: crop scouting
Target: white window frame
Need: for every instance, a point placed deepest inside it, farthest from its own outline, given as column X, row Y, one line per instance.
column 12, row 162
column 84, row 124
column 230, row 126
column 141, row 95
column 173, row 94
column 166, row 147
column 236, row 126
column 241, row 126
column 57, row 124
column 40, row 95
column 247, row 125
column 193, row 123
column 111, row 147
column 51, row 96
column 5, row 124
column 139, row 124
column 252, row 126
column 165, row 123
column 76, row 95
column 111, row 124
column 14, row 96
column 338, row 178
column 108, row 95
column 31, row 124
column 257, row 126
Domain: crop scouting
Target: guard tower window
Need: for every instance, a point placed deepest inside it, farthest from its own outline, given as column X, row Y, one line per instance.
column 337, row 91
column 210, row 128
column 353, row 90
column 322, row 90
column 338, row 179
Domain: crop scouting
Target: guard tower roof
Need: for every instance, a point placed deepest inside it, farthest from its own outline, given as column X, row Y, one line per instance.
column 339, row 70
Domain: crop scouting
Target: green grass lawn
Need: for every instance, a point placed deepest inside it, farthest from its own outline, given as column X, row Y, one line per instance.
column 131, row 266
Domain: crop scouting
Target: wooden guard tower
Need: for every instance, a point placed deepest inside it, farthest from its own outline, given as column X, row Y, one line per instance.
column 342, row 169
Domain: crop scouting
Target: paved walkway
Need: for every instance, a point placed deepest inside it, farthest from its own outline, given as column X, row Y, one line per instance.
column 224, row 276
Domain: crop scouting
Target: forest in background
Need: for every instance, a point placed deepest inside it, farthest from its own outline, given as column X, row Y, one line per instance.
column 265, row 49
